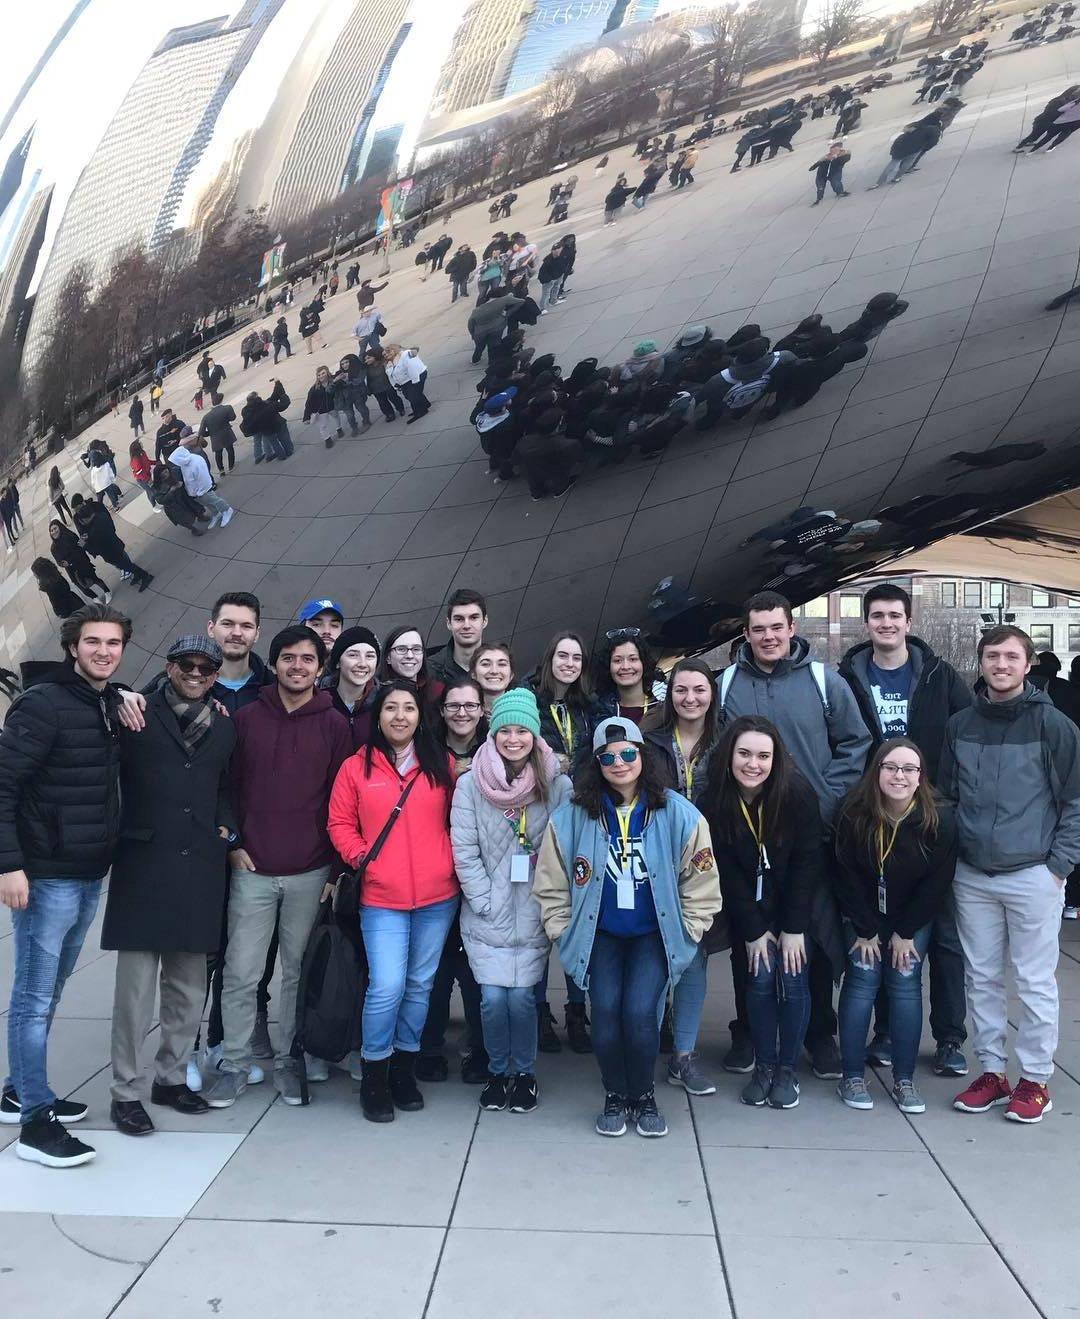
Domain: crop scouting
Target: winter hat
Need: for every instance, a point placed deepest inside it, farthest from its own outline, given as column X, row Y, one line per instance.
column 516, row 706
column 693, row 334
column 645, row 347
column 354, row 636
column 497, row 402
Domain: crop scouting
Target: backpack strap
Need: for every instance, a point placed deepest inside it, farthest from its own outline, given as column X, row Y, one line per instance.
column 726, row 679
column 817, row 672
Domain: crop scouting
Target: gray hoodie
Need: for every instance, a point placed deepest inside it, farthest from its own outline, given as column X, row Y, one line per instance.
column 829, row 746
column 490, row 316
column 1012, row 768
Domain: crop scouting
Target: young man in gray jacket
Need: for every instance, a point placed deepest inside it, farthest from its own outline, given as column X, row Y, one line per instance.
column 1011, row 766
column 819, row 723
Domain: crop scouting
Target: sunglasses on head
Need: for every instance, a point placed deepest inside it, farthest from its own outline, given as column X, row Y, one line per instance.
column 193, row 666
column 622, row 633
column 628, row 755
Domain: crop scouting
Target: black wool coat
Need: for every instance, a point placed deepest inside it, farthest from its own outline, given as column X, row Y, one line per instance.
column 167, row 890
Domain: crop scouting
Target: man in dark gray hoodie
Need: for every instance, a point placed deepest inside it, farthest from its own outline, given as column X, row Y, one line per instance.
column 1011, row 767
column 819, row 723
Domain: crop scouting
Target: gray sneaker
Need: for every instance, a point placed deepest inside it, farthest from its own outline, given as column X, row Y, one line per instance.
column 612, row 1121
column 852, row 1090
column 756, row 1091
column 260, row 1038
column 784, row 1092
column 686, row 1072
column 906, row 1098
column 287, row 1082
column 223, row 1087
column 649, row 1120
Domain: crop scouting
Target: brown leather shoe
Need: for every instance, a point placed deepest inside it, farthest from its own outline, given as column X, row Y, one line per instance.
column 130, row 1118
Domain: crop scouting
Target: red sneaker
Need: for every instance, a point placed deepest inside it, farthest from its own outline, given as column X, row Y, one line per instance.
column 1030, row 1102
column 983, row 1093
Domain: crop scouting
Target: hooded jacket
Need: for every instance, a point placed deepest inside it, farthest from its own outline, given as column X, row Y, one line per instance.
column 937, row 691
column 1012, row 770
column 829, row 746
column 59, row 778
column 282, row 771
column 195, row 471
column 490, row 317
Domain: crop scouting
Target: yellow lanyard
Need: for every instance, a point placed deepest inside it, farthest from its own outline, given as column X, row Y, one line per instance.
column 523, row 839
column 688, row 768
column 644, row 709
column 883, row 851
column 758, row 831
column 623, row 814
column 565, row 732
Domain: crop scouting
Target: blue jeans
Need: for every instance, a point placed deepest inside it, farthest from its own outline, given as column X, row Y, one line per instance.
column 904, row 988
column 627, row 978
column 403, row 950
column 778, row 1003
column 509, row 1020
column 688, row 1003
column 49, row 934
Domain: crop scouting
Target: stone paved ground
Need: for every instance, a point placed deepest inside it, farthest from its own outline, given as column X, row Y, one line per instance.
column 264, row 1210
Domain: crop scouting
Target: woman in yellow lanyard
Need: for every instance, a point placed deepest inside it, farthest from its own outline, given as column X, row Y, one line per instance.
column 628, row 681
column 896, row 854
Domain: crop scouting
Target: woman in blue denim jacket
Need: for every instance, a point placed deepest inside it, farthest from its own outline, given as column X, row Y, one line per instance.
column 627, row 884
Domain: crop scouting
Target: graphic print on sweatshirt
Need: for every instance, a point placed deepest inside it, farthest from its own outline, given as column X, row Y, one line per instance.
column 891, row 690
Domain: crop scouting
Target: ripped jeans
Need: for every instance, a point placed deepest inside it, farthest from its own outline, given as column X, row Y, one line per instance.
column 904, row 990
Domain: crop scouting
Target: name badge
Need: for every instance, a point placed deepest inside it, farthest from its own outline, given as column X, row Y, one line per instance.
column 520, row 868
column 760, row 882
column 624, row 892
column 881, row 895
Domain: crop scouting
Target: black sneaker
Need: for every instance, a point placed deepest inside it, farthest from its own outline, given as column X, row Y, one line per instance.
column 524, row 1093
column 45, row 1140
column 474, row 1068
column 432, row 1067
column 68, row 1111
column 547, row 1040
column 493, row 1095
column 949, row 1060
column 825, row 1059
column 647, row 1117
column 740, row 1057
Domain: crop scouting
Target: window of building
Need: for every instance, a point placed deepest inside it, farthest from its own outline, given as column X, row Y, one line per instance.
column 1073, row 602
column 1042, row 636
column 818, row 608
column 996, row 595
column 851, row 606
column 973, row 595
column 1074, row 636
column 1040, row 599
column 948, row 595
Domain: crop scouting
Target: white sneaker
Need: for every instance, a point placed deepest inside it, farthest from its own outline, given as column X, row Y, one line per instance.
column 227, row 516
column 213, row 522
column 1071, row 914
column 256, row 1075
column 193, row 1077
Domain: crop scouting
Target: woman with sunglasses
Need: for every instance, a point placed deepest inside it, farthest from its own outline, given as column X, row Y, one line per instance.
column 493, row 668
column 627, row 884
column 460, row 730
column 628, row 682
column 408, row 895
column 764, row 820
column 896, row 847
column 684, row 731
column 404, row 657
column 500, row 811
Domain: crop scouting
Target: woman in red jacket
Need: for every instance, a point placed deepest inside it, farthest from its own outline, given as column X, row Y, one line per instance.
column 408, row 896
column 142, row 469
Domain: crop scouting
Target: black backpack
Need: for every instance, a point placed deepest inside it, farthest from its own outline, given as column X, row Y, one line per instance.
column 330, row 995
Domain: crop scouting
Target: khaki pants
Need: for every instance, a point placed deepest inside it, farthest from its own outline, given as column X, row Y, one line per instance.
column 183, row 992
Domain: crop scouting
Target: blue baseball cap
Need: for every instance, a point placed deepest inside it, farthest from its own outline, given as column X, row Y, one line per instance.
column 313, row 608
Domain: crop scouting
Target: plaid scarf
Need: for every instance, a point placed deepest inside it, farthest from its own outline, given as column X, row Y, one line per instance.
column 195, row 717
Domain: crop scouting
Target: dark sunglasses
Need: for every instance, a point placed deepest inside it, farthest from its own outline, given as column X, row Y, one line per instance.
column 190, row 666
column 628, row 755
column 622, row 633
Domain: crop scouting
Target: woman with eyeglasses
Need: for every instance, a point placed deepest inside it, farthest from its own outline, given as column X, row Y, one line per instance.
column 409, row 894
column 627, row 884
column 404, row 657
column 764, row 821
column 684, row 730
column 628, row 681
column 492, row 666
column 567, row 716
column 896, row 847
column 460, row 730
column 499, row 814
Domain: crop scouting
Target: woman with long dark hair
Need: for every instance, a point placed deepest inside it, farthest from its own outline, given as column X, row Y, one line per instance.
column 896, row 848
column 627, row 679
column 766, row 829
column 627, row 884
column 57, row 497
column 403, row 656
column 68, row 552
column 684, row 730
column 61, row 597
column 408, row 895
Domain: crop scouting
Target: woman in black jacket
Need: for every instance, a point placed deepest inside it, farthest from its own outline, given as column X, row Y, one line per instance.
column 61, row 597
column 568, row 713
column 70, row 555
column 389, row 400
column 896, row 850
column 765, row 826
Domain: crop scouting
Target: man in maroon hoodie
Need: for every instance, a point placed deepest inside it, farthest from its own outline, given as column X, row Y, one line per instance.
column 290, row 744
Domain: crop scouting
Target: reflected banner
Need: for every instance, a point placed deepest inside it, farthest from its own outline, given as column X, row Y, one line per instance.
column 273, row 263
column 392, row 205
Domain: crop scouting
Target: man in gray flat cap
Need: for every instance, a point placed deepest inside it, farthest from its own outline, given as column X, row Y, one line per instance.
column 167, row 890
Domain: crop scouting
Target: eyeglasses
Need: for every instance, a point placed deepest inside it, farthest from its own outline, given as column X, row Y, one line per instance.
column 622, row 633
column 407, row 650
column 908, row 771
column 461, row 707
column 627, row 755
column 190, row 666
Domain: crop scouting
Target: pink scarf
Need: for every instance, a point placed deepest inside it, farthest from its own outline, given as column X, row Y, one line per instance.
column 489, row 770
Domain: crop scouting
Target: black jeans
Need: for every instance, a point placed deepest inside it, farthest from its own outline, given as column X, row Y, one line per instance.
column 390, row 402
column 278, row 347
column 626, row 983
column 460, row 289
column 453, row 965
column 948, row 1001
column 219, row 454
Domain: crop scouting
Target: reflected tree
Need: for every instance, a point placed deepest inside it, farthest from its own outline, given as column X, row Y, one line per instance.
column 837, row 25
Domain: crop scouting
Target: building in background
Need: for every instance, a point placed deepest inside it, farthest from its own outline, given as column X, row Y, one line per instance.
column 28, row 234
column 380, row 158
column 481, row 55
column 120, row 192
column 558, row 27
column 39, row 67
column 12, row 176
column 218, row 198
column 325, row 134
column 363, row 138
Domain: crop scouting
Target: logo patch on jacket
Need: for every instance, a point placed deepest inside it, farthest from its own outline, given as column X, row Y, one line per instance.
column 703, row 860
column 582, row 871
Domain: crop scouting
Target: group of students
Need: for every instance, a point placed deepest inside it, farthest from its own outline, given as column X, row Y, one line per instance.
column 826, row 827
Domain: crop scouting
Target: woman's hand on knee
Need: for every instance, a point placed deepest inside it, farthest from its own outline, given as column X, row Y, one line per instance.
column 758, row 952
column 793, row 952
column 903, row 953
column 866, row 951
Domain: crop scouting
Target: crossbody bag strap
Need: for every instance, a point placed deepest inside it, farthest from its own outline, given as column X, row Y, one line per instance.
column 384, row 833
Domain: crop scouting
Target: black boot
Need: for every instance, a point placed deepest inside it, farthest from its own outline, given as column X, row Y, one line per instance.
column 375, row 1090
column 547, row 1040
column 403, row 1088
column 577, row 1028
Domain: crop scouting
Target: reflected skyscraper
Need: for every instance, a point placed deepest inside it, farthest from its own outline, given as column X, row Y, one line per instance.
column 557, row 27
column 483, row 50
column 43, row 59
column 12, row 175
column 20, row 259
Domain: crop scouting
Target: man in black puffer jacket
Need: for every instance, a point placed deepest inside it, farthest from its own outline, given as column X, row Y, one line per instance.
column 59, row 824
